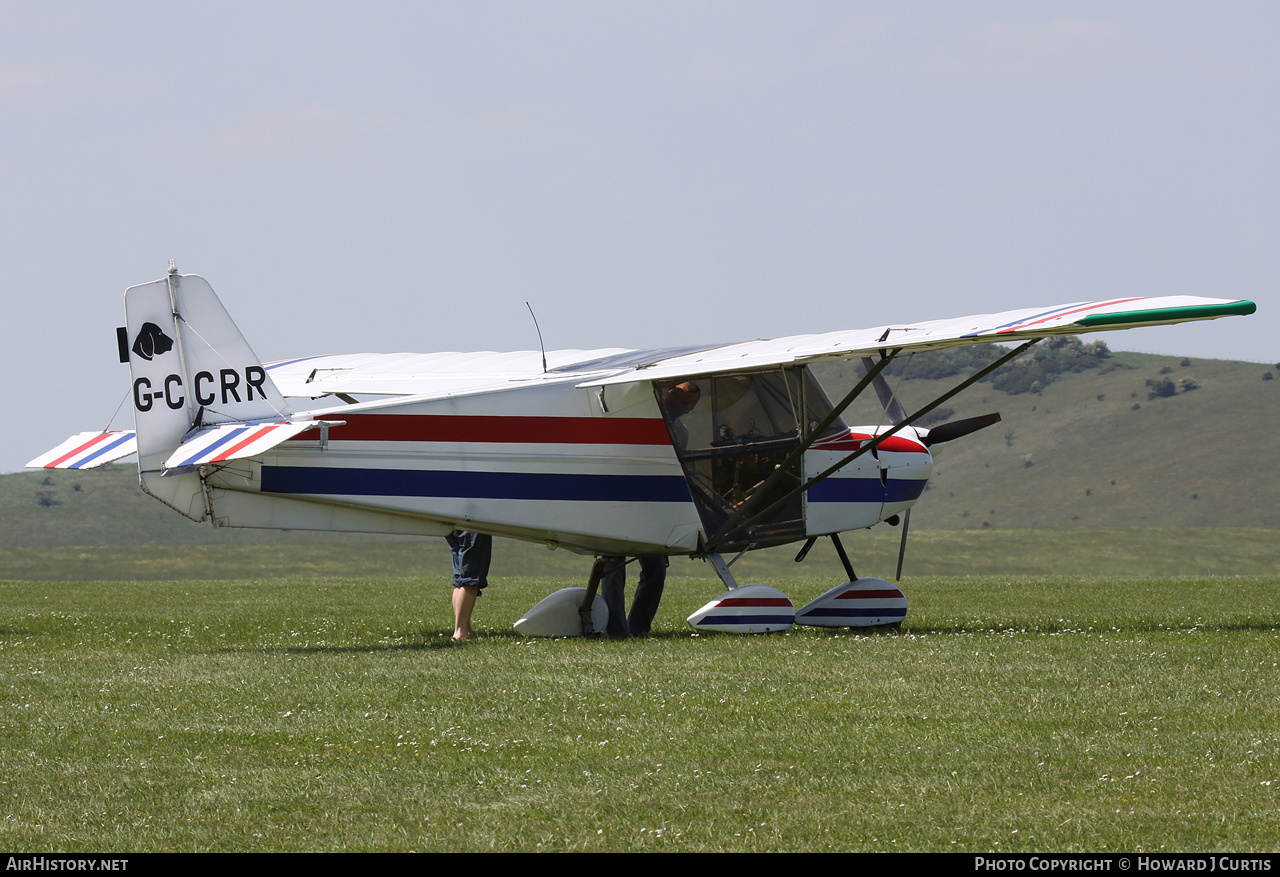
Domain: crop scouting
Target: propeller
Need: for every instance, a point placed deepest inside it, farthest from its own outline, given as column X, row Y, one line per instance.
column 954, row 429
column 888, row 400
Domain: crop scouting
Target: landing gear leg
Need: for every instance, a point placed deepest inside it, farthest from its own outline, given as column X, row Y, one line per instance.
column 593, row 585
column 722, row 570
column 844, row 558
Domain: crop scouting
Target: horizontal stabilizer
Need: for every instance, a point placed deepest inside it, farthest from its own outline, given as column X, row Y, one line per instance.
column 234, row 441
column 89, row 450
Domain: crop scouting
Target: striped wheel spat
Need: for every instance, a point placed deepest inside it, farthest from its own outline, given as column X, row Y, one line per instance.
column 748, row 609
column 863, row 603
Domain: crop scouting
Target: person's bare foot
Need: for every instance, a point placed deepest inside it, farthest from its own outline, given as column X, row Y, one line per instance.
column 461, row 637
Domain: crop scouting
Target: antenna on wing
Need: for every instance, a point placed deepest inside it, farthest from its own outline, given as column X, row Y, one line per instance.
column 541, row 346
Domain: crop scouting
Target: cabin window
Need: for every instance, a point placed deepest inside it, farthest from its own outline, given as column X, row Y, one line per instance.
column 731, row 432
column 756, row 409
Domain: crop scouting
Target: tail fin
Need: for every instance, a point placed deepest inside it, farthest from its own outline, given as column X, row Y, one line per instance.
column 190, row 367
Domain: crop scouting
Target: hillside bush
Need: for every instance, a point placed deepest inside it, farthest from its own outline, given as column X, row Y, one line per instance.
column 1160, row 388
column 1027, row 374
column 1048, row 360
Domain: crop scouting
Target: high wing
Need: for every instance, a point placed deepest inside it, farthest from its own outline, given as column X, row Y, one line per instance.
column 1019, row 325
column 436, row 375
column 444, row 374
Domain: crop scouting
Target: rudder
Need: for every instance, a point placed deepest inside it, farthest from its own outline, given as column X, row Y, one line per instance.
column 190, row 366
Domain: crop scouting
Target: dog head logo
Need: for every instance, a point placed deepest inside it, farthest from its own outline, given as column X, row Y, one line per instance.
column 151, row 342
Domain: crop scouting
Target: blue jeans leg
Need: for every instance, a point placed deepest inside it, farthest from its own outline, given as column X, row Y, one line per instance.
column 613, row 588
column 653, row 578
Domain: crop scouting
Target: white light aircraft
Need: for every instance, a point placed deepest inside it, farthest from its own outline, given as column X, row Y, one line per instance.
column 677, row 451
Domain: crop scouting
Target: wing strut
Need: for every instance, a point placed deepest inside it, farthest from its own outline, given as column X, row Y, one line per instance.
column 727, row 531
column 893, row 408
column 731, row 525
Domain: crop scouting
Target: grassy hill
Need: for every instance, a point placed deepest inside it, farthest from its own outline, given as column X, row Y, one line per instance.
column 1092, row 449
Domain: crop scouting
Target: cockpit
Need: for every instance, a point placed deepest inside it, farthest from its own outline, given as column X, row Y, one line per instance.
column 732, row 431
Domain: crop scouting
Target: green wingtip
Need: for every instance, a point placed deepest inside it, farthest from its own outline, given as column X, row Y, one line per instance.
column 1166, row 315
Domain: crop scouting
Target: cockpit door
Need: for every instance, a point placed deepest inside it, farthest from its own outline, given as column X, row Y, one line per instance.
column 731, row 432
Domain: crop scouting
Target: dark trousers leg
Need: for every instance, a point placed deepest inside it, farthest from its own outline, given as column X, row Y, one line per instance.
column 653, row 578
column 471, row 555
column 613, row 588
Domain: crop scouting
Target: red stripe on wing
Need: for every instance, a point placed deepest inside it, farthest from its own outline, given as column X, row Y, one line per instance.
column 1094, row 306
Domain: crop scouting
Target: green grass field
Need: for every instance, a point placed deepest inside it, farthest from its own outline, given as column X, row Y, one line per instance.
column 309, row 713
column 1080, row 551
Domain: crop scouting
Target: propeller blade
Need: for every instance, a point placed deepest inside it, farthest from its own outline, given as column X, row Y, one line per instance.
column 888, row 400
column 955, row 429
column 902, row 546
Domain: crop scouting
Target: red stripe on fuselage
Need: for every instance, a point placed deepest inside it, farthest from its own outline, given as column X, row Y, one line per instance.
column 895, row 594
column 486, row 428
column 855, row 440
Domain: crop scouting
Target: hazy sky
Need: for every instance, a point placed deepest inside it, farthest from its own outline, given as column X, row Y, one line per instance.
column 373, row 176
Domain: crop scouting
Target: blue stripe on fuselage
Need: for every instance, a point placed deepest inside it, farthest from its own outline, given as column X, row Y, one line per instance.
column 474, row 485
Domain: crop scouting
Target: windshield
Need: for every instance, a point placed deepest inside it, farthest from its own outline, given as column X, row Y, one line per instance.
column 751, row 409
